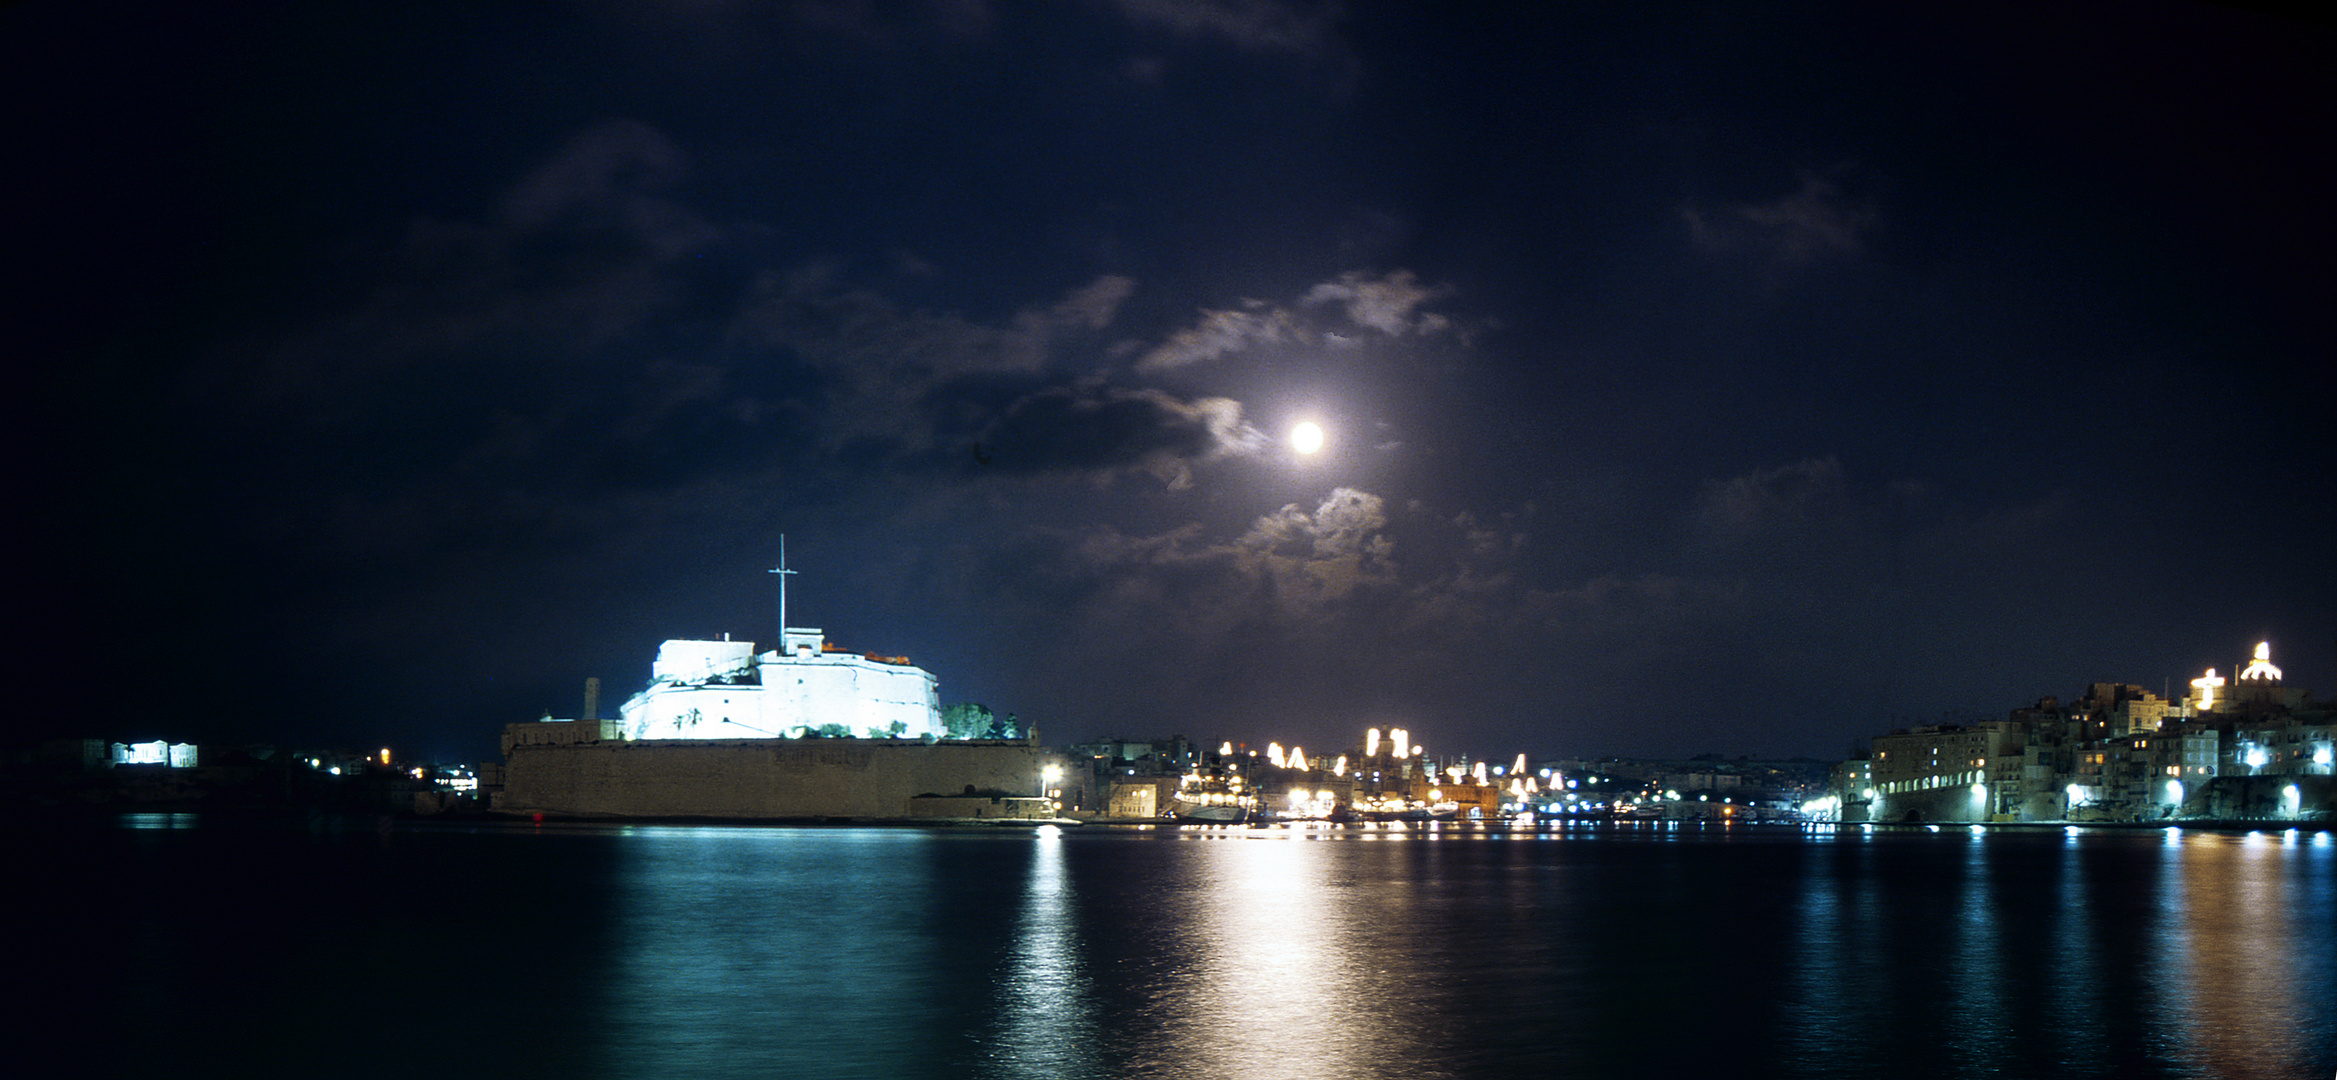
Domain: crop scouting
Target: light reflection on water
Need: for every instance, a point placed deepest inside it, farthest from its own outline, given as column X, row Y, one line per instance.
column 2177, row 954
column 1273, row 989
column 150, row 820
column 1309, row 951
column 2230, row 956
column 1047, row 1027
column 762, row 951
column 1979, row 994
column 1306, row 951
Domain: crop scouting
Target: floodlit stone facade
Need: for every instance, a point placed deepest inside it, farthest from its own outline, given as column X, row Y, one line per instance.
column 725, row 690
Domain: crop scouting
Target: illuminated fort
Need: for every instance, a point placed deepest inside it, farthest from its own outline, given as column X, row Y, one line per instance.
column 804, row 730
column 725, row 690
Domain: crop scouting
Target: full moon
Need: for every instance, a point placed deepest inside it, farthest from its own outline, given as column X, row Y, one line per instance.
column 1306, row 438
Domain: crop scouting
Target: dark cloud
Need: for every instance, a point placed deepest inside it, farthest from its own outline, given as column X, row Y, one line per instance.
column 1101, row 432
column 881, row 370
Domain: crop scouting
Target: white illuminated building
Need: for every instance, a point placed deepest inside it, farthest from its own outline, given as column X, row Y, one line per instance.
column 158, row 752
column 726, row 690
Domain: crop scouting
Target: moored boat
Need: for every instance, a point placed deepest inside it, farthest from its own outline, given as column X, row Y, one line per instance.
column 1208, row 813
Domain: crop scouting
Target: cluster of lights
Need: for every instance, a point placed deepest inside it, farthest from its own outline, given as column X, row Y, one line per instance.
column 1383, row 752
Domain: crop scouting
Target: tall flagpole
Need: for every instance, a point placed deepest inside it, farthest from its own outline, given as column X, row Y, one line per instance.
column 782, row 571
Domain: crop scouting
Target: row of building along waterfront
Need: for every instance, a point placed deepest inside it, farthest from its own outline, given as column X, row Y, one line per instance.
column 2245, row 748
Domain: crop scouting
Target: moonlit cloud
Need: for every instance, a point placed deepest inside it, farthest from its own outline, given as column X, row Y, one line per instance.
column 1390, row 305
column 1385, row 305
column 1817, row 223
column 1218, row 334
column 606, row 174
column 1789, row 496
column 1299, row 572
column 1095, row 304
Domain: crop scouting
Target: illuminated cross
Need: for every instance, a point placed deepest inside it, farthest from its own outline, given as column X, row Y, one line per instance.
column 2206, row 685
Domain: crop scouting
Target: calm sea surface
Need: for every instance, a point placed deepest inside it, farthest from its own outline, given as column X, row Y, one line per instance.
column 183, row 945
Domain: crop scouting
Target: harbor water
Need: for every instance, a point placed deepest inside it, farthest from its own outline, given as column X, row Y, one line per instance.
column 178, row 944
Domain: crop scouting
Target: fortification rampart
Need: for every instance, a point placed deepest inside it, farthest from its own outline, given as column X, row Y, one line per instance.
column 758, row 778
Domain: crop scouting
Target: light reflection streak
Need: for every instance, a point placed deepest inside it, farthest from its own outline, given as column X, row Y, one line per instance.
column 809, row 924
column 2081, row 995
column 1278, row 972
column 1836, row 972
column 150, row 820
column 2236, row 947
column 1048, row 1030
column 1976, row 998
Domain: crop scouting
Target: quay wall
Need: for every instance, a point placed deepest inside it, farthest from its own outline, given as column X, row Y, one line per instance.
column 757, row 778
column 2222, row 798
column 980, row 808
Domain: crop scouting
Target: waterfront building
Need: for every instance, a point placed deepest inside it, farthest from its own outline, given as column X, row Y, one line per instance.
column 725, row 690
column 806, row 686
column 2244, row 747
column 1947, row 773
column 2150, row 776
column 159, row 752
column 2126, row 708
column 804, row 730
column 1850, row 790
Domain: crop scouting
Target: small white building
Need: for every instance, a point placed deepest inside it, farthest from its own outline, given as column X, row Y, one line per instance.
column 726, row 690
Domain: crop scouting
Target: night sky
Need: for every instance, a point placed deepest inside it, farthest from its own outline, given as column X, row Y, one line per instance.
column 1743, row 378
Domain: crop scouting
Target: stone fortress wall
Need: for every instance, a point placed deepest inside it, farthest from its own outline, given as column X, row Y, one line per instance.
column 757, row 778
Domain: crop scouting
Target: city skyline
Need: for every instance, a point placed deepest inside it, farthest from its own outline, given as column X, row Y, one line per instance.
column 1746, row 381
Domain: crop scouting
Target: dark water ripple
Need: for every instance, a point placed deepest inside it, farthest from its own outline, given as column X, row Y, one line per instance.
column 182, row 944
